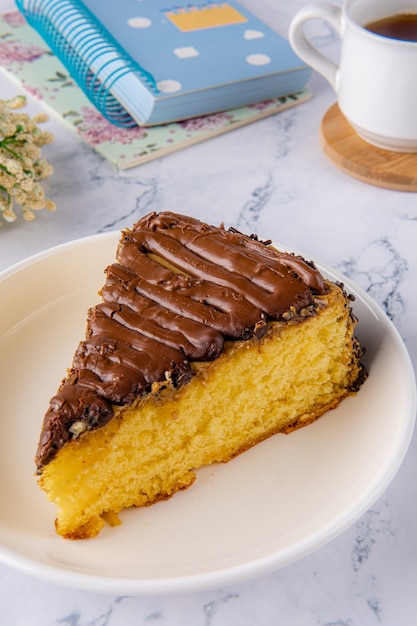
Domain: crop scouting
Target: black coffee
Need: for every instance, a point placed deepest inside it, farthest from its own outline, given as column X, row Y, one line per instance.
column 402, row 26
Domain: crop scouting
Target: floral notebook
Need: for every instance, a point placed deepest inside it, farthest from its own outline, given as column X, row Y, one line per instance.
column 25, row 56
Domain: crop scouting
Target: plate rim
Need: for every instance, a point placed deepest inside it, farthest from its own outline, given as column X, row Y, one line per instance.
column 257, row 566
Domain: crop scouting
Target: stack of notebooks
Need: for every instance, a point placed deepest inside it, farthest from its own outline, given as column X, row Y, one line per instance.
column 142, row 79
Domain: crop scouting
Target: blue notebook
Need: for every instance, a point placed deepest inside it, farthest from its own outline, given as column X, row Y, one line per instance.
column 149, row 62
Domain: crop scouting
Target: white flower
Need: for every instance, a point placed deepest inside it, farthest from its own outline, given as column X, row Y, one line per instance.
column 21, row 165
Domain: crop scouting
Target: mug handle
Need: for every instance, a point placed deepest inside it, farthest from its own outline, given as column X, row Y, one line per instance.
column 305, row 50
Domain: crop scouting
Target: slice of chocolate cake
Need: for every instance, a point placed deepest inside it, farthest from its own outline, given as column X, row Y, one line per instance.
column 206, row 342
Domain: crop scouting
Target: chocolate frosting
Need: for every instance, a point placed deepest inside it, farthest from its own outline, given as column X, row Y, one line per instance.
column 178, row 290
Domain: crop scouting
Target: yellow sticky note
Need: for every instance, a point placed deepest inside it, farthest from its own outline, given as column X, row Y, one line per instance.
column 197, row 18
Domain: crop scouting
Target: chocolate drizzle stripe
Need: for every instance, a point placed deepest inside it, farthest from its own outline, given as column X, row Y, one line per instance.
column 201, row 301
column 210, row 270
column 198, row 341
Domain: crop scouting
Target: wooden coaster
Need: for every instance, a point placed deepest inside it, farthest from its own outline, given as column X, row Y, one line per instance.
column 350, row 153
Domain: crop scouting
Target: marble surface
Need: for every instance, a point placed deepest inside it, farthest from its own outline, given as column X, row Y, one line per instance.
column 273, row 179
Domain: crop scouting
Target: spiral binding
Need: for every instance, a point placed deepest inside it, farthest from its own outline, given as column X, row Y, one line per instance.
column 89, row 52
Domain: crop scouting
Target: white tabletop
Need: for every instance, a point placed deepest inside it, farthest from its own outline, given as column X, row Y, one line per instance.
column 273, row 179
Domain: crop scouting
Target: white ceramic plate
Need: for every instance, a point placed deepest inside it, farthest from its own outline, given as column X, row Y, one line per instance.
column 270, row 506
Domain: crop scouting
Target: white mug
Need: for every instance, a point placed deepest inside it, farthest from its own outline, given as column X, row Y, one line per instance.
column 376, row 78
